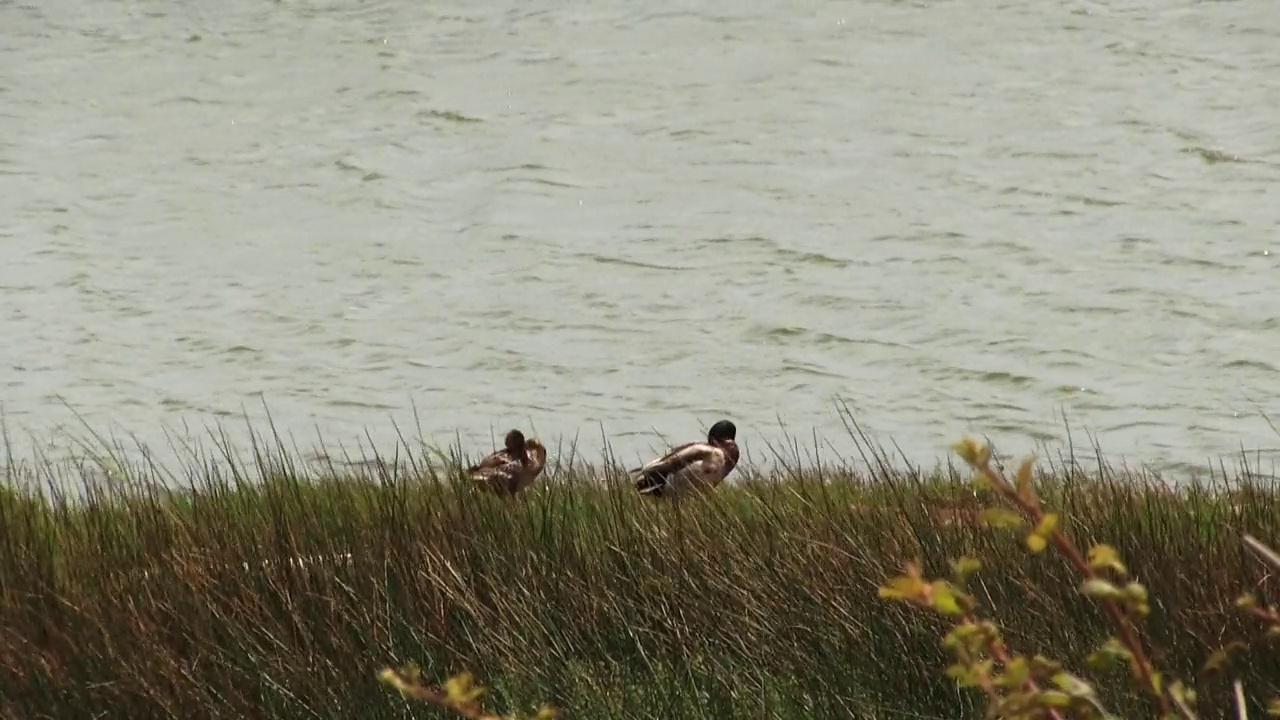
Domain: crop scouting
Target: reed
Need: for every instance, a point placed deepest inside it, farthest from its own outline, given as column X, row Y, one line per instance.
column 262, row 586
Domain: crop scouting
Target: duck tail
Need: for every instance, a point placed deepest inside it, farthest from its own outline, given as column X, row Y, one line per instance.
column 651, row 485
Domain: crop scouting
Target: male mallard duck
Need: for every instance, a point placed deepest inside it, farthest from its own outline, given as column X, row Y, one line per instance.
column 511, row 469
column 692, row 467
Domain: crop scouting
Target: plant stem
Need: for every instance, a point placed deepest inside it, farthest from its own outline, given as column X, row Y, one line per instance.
column 1128, row 635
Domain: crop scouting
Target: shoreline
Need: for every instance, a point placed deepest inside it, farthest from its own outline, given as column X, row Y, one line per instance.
column 99, row 461
column 79, row 447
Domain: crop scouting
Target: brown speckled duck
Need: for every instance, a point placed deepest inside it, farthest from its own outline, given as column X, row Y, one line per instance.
column 693, row 467
column 511, row 469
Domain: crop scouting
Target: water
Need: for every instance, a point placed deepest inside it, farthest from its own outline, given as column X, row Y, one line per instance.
column 637, row 217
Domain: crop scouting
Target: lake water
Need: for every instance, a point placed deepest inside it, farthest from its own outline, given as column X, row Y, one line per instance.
column 637, row 217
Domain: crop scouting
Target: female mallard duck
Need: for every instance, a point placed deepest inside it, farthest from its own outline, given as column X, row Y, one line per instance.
column 511, row 469
column 692, row 467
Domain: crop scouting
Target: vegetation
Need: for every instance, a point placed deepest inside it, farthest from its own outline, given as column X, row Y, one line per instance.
column 264, row 588
column 1019, row 686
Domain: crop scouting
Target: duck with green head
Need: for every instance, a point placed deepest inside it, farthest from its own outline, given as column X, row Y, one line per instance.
column 695, row 467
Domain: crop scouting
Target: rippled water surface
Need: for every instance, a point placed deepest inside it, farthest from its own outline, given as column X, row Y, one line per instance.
column 642, row 216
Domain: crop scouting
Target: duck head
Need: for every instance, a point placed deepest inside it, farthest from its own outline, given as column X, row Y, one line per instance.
column 722, row 432
column 535, row 449
column 514, row 443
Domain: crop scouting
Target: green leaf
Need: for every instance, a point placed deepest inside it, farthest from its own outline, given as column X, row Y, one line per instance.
column 461, row 690
column 1055, row 698
column 1220, row 657
column 973, row 452
column 1101, row 589
column 1048, row 524
column 966, row 636
column 945, row 600
column 1104, row 556
column 1072, row 685
column 1178, row 691
column 1042, row 666
column 963, row 567
column 903, row 587
column 1038, row 539
column 1135, row 595
column 1135, row 591
column 1023, row 479
column 1001, row 517
column 1109, row 653
column 1016, row 673
column 962, row 674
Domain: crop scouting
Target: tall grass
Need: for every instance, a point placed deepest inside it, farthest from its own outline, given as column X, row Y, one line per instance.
column 268, row 588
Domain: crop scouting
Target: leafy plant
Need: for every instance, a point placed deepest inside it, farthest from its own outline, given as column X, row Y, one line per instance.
column 1018, row 686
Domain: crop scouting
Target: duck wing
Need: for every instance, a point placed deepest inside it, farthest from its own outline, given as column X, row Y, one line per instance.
column 698, row 457
column 497, row 470
column 492, row 460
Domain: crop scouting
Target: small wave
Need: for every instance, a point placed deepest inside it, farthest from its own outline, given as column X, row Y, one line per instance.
column 746, row 240
column 1095, row 309
column 348, row 166
column 995, row 377
column 1194, row 262
column 1187, row 314
column 1074, row 390
column 606, row 260
column 526, row 166
column 1095, row 201
column 836, row 302
column 1052, row 155
column 1249, row 365
column 363, row 404
column 426, row 365
column 815, row 258
column 449, row 115
column 1001, row 407
column 809, row 369
column 539, row 181
column 1131, row 425
column 1013, row 429
column 1134, row 240
column 1004, row 245
column 688, row 133
column 785, row 332
column 1213, row 157
column 394, row 93
column 1007, row 378
column 540, row 60
column 191, row 100
column 789, row 334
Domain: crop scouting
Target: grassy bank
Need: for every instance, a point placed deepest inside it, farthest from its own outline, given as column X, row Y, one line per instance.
column 136, row 601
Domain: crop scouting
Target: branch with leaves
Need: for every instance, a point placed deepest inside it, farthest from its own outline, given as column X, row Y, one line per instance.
column 1014, row 684
column 1104, row 575
column 1021, row 687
